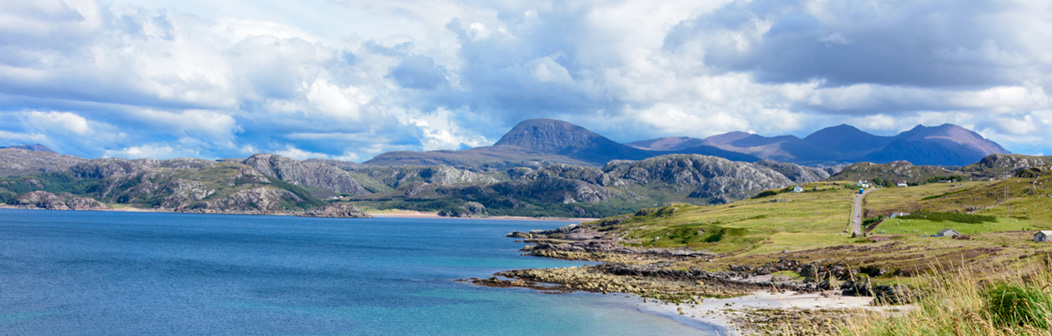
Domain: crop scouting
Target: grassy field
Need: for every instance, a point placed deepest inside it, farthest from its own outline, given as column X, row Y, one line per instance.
column 785, row 220
column 812, row 226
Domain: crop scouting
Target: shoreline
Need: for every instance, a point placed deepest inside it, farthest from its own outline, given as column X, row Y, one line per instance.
column 375, row 214
column 737, row 301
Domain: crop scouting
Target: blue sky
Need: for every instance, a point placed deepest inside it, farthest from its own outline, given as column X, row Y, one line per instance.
column 351, row 79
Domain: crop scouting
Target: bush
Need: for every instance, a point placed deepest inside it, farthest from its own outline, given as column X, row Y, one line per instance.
column 765, row 193
column 952, row 217
column 1015, row 305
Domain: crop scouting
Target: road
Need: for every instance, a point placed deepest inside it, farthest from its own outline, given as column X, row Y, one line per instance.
column 856, row 213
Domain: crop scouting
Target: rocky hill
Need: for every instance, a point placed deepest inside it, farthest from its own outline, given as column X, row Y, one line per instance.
column 565, row 190
column 311, row 174
column 54, row 181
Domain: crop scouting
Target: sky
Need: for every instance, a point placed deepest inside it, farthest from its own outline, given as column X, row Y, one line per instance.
column 348, row 80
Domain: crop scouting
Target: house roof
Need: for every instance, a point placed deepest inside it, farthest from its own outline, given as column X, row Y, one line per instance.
column 952, row 230
column 1046, row 232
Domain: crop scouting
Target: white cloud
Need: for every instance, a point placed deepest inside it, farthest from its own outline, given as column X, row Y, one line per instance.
column 66, row 120
column 143, row 151
column 336, row 102
column 353, row 79
column 300, row 154
column 211, row 124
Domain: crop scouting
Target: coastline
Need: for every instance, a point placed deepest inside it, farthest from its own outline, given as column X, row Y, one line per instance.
column 737, row 301
column 376, row 214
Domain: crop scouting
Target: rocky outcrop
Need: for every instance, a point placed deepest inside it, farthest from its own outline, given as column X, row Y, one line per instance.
column 316, row 174
column 182, row 193
column 63, row 201
column 336, row 210
column 258, row 200
column 1002, row 165
column 468, row 210
column 795, row 172
column 692, row 171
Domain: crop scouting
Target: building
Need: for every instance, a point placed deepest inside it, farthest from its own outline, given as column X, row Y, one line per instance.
column 949, row 233
column 902, row 184
column 1042, row 236
column 798, row 189
column 863, row 184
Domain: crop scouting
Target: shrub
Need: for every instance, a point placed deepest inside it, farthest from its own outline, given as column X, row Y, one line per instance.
column 1015, row 305
column 952, row 217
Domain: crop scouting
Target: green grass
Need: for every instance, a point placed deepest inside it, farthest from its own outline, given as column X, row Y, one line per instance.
column 781, row 221
column 906, row 226
column 951, row 217
column 1017, row 305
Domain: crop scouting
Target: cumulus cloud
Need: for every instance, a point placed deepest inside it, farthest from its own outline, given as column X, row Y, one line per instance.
column 351, row 80
column 64, row 120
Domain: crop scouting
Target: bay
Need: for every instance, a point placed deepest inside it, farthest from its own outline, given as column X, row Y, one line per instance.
column 129, row 273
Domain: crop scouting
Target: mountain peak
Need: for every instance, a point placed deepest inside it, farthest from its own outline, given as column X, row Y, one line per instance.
column 563, row 138
column 548, row 136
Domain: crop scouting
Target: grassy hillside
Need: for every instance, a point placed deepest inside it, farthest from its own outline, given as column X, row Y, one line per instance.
column 812, row 227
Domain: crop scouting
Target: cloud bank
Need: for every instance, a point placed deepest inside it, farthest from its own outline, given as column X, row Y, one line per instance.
column 349, row 80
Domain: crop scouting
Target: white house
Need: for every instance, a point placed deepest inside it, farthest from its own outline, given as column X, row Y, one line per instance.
column 798, row 189
column 863, row 184
column 949, row 233
column 902, row 184
column 1042, row 236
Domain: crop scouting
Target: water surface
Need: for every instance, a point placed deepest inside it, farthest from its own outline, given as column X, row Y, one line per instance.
column 117, row 273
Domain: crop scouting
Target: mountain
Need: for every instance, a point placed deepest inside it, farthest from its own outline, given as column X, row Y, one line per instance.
column 563, row 138
column 847, row 141
column 667, row 143
column 940, row 145
column 946, row 145
column 542, row 142
column 268, row 184
column 32, row 148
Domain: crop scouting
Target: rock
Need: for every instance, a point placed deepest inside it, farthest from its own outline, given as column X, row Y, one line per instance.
column 317, row 174
column 468, row 210
column 336, row 210
column 892, row 294
column 64, row 201
column 858, row 287
column 258, row 200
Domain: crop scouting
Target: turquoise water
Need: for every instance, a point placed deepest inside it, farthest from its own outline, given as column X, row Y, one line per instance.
column 113, row 273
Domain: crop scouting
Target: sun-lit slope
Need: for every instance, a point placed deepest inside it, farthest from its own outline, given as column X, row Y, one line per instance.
column 1017, row 203
column 816, row 217
column 812, row 227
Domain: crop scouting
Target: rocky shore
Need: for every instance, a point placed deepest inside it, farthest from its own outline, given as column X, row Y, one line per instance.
column 673, row 276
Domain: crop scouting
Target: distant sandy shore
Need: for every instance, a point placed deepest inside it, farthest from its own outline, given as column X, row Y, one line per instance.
column 422, row 214
column 378, row 214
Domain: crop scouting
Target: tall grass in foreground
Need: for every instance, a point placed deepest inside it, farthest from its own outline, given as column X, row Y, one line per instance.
column 971, row 302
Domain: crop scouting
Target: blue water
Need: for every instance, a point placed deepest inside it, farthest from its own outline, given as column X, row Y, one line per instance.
column 112, row 273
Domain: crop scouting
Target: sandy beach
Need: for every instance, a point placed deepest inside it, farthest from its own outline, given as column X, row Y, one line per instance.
column 721, row 313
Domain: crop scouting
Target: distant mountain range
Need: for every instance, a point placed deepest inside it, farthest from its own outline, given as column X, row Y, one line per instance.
column 944, row 145
column 32, row 148
column 541, row 142
column 538, row 142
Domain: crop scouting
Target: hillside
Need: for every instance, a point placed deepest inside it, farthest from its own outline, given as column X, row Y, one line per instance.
column 800, row 241
column 574, row 191
column 267, row 183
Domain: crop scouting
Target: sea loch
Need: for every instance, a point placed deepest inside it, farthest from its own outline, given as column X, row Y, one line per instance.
column 114, row 273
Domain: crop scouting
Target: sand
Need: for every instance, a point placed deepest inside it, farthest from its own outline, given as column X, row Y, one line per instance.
column 719, row 313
